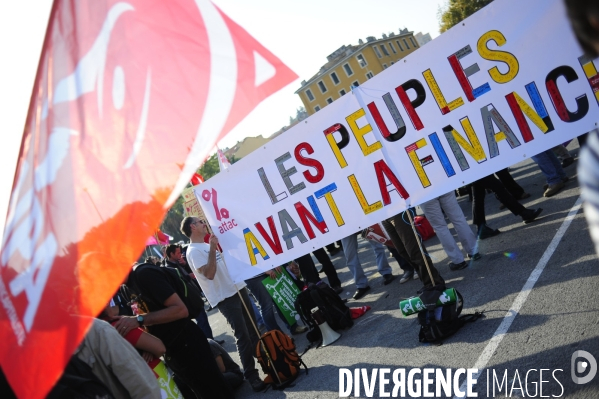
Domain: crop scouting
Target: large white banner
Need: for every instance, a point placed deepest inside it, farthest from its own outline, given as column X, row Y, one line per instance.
column 504, row 85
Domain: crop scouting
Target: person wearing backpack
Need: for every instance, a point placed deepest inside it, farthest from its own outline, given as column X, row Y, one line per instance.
column 187, row 351
column 211, row 273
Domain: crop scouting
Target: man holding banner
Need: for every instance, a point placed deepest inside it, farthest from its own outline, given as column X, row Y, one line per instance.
column 212, row 274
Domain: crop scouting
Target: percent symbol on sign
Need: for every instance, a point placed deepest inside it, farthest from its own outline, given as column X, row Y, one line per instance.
column 212, row 195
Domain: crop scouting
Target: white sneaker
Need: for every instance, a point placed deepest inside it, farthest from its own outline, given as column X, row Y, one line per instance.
column 416, row 276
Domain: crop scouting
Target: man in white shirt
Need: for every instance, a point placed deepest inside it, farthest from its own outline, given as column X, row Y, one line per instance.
column 207, row 264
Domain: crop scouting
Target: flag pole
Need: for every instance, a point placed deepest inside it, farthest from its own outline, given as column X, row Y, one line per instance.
column 420, row 245
column 203, row 216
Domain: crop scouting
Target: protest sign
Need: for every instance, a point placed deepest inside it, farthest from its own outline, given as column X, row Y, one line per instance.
column 504, row 85
column 191, row 206
column 284, row 292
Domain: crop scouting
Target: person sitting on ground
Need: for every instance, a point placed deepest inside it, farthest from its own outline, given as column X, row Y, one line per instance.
column 150, row 348
column 448, row 204
column 231, row 372
column 117, row 364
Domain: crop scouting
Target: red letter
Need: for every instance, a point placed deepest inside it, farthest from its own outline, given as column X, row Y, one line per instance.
column 411, row 106
column 305, row 215
column 274, row 242
column 382, row 171
column 313, row 163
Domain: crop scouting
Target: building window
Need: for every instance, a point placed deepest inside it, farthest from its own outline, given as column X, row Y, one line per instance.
column 392, row 48
column 369, row 75
column 361, row 60
column 378, row 53
column 406, row 43
column 399, row 44
column 356, row 84
column 348, row 70
column 412, row 40
column 341, row 92
column 384, row 50
column 316, row 109
column 384, row 66
column 334, row 78
column 309, row 95
column 329, row 100
column 322, row 87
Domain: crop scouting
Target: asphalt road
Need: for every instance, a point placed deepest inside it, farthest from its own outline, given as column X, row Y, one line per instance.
column 549, row 322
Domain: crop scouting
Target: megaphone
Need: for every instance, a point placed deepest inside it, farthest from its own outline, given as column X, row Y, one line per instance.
column 328, row 334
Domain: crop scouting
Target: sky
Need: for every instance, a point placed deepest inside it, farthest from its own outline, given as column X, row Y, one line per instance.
column 301, row 34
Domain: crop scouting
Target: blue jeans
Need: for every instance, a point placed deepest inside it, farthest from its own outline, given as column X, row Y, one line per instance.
column 550, row 166
column 202, row 320
column 350, row 249
column 257, row 313
column 267, row 305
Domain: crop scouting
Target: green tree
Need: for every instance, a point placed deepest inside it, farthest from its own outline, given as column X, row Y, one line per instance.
column 172, row 221
column 455, row 11
column 210, row 167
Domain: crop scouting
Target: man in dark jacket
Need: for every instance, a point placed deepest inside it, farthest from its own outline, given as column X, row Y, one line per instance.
column 187, row 351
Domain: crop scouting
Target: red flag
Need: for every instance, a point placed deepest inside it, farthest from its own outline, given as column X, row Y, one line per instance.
column 123, row 90
column 196, row 179
column 158, row 238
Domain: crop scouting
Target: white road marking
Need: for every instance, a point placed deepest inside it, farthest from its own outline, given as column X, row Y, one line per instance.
column 491, row 347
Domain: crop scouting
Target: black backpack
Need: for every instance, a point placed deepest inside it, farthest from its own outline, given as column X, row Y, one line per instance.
column 443, row 321
column 79, row 382
column 334, row 310
column 189, row 293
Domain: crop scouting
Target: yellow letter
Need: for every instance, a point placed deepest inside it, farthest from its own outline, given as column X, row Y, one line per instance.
column 253, row 246
column 496, row 55
column 360, row 132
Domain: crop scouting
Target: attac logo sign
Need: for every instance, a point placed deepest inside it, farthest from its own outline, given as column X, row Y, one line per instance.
column 222, row 214
column 119, row 102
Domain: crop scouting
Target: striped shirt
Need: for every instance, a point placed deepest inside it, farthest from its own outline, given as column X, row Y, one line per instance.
column 588, row 176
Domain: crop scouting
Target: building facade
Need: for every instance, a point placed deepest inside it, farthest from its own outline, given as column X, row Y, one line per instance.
column 353, row 65
column 422, row 39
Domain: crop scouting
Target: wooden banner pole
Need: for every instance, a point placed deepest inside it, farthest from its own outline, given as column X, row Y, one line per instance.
column 428, row 269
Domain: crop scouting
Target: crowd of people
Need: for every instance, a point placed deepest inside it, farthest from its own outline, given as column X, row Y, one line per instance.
column 151, row 314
